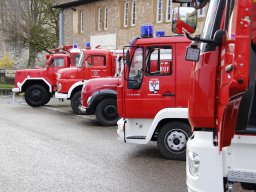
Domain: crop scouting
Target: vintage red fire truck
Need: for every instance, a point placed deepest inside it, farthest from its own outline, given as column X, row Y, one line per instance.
column 99, row 98
column 222, row 111
column 40, row 84
column 153, row 95
column 93, row 63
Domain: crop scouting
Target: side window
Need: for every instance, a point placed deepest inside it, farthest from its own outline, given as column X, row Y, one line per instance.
column 136, row 64
column 159, row 61
column 96, row 60
column 57, row 62
column 76, row 59
column 99, row 60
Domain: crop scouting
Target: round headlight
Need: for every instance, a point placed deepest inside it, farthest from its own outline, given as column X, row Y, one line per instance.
column 193, row 163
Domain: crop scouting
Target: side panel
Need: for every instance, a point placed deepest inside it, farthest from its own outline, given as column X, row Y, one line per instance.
column 210, row 178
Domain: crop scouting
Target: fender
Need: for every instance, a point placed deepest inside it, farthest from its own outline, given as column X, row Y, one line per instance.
column 99, row 95
column 79, row 83
column 167, row 113
column 30, row 79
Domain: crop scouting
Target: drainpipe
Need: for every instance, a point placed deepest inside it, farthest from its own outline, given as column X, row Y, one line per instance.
column 61, row 29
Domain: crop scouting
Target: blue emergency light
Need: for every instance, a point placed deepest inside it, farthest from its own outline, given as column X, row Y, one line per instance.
column 75, row 46
column 160, row 33
column 146, row 31
column 87, row 44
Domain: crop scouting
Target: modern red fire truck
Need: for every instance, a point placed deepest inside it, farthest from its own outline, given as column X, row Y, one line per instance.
column 40, row 84
column 93, row 63
column 153, row 95
column 222, row 112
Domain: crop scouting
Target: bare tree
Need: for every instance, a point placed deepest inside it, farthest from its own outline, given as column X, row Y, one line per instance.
column 31, row 24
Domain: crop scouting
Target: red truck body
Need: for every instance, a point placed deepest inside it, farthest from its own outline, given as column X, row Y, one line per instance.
column 94, row 63
column 152, row 98
column 222, row 100
column 43, row 81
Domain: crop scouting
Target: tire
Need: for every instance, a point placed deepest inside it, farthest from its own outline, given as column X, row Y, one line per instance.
column 47, row 99
column 172, row 139
column 106, row 112
column 36, row 95
column 76, row 103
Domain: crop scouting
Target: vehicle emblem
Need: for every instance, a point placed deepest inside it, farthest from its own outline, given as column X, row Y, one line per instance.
column 154, row 86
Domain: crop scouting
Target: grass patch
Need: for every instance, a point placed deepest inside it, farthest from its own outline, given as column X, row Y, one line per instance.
column 6, row 86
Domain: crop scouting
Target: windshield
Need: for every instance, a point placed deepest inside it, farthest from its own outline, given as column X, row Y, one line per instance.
column 210, row 19
column 81, row 60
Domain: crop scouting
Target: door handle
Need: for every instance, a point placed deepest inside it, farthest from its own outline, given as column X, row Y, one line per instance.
column 168, row 94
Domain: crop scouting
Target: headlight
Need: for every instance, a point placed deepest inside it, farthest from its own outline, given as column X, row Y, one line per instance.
column 193, row 163
column 58, row 75
column 89, row 100
column 59, row 86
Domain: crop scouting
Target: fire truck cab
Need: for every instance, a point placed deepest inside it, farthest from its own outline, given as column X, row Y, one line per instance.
column 153, row 94
column 222, row 149
column 40, row 84
column 93, row 63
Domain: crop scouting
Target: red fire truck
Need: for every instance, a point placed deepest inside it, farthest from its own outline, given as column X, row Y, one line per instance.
column 99, row 98
column 222, row 111
column 93, row 63
column 153, row 94
column 40, row 84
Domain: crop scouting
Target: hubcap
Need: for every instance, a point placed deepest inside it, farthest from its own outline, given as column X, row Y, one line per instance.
column 36, row 95
column 176, row 140
column 110, row 112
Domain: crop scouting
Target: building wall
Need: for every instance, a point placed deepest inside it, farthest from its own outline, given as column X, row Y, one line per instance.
column 146, row 11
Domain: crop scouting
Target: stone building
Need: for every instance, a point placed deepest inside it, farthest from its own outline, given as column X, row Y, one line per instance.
column 113, row 23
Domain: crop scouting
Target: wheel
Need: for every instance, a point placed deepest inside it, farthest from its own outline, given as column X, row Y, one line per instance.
column 76, row 103
column 36, row 95
column 106, row 112
column 172, row 139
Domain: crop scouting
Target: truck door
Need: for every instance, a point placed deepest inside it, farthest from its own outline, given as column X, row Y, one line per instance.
column 95, row 66
column 151, row 82
column 237, row 87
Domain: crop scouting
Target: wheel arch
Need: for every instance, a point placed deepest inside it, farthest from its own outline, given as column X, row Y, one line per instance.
column 99, row 96
column 75, row 88
column 28, row 82
column 164, row 116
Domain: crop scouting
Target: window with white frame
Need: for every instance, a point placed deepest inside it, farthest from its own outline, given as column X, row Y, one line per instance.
column 159, row 11
column 201, row 12
column 75, row 22
column 126, row 13
column 81, row 22
column 168, row 10
column 99, row 19
column 105, row 18
column 133, row 15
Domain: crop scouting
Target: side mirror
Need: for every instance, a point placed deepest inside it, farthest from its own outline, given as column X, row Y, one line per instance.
column 184, row 20
column 198, row 4
column 47, row 56
column 128, row 59
column 182, row 1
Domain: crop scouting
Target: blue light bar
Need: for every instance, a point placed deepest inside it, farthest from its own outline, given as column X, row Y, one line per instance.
column 160, row 33
column 146, row 31
column 87, row 44
column 75, row 46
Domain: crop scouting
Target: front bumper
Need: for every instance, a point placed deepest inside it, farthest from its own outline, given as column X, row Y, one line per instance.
column 16, row 90
column 120, row 129
column 61, row 95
